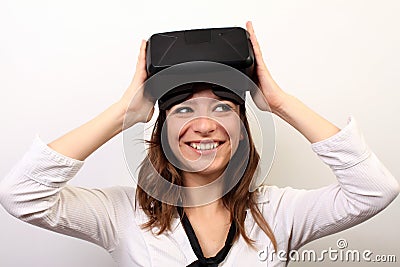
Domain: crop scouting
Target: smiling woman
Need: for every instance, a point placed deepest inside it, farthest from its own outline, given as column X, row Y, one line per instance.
column 201, row 140
column 205, row 130
column 205, row 133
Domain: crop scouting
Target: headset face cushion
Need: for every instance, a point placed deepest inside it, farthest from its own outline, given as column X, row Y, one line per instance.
column 182, row 92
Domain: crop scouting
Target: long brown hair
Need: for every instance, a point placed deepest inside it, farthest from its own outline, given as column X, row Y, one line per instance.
column 237, row 200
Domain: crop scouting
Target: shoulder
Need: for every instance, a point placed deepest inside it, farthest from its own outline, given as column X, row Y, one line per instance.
column 273, row 194
column 288, row 196
column 116, row 198
column 278, row 206
column 118, row 194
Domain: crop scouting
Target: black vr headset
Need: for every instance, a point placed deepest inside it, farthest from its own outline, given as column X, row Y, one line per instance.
column 228, row 46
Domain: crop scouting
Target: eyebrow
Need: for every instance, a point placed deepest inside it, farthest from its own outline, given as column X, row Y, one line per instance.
column 196, row 103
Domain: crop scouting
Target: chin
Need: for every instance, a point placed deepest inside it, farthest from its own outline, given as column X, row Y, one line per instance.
column 214, row 170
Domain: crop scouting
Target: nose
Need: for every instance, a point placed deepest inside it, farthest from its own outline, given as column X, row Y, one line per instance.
column 204, row 125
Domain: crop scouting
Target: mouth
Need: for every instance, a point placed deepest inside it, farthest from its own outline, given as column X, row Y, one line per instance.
column 202, row 146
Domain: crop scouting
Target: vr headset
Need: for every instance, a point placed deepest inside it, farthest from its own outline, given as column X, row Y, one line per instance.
column 228, row 46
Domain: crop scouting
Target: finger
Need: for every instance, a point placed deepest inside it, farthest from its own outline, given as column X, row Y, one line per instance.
column 141, row 72
column 141, row 63
column 253, row 37
column 254, row 42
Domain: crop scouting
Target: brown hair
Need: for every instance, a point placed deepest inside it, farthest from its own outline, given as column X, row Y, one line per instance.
column 160, row 214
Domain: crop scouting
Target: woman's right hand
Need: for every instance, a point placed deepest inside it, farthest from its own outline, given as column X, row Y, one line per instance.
column 138, row 105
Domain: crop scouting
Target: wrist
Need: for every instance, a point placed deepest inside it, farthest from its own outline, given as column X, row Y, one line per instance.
column 128, row 114
column 115, row 114
column 280, row 103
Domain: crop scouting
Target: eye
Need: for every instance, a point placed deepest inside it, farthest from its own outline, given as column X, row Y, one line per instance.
column 222, row 108
column 182, row 110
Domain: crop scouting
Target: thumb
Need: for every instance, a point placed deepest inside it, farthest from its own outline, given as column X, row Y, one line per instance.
column 259, row 99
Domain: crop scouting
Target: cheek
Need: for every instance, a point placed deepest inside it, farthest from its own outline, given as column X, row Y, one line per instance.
column 232, row 127
column 174, row 131
column 235, row 139
column 172, row 134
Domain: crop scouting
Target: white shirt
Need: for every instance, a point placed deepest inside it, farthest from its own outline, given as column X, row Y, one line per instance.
column 36, row 191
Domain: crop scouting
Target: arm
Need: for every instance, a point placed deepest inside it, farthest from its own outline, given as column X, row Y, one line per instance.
column 133, row 107
column 311, row 125
column 272, row 98
column 36, row 189
column 364, row 186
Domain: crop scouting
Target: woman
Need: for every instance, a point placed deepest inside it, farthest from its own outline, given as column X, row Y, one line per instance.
column 204, row 133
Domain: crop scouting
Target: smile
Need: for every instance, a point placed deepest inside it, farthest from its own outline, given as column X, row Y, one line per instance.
column 203, row 146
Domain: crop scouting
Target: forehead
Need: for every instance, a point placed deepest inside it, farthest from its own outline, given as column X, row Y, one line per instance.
column 204, row 91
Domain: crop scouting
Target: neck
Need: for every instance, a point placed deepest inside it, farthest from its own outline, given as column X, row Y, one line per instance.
column 211, row 211
column 193, row 179
column 202, row 189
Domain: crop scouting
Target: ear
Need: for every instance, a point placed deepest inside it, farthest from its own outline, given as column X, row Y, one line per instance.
column 241, row 136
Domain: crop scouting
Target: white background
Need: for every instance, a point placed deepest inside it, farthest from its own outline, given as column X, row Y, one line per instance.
column 63, row 62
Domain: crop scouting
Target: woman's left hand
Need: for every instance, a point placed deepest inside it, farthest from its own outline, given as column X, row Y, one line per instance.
column 271, row 96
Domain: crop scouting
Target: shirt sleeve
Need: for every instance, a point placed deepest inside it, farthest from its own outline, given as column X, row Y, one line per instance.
column 36, row 192
column 364, row 187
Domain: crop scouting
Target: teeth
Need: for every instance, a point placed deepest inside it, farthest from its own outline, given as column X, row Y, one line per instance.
column 201, row 146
